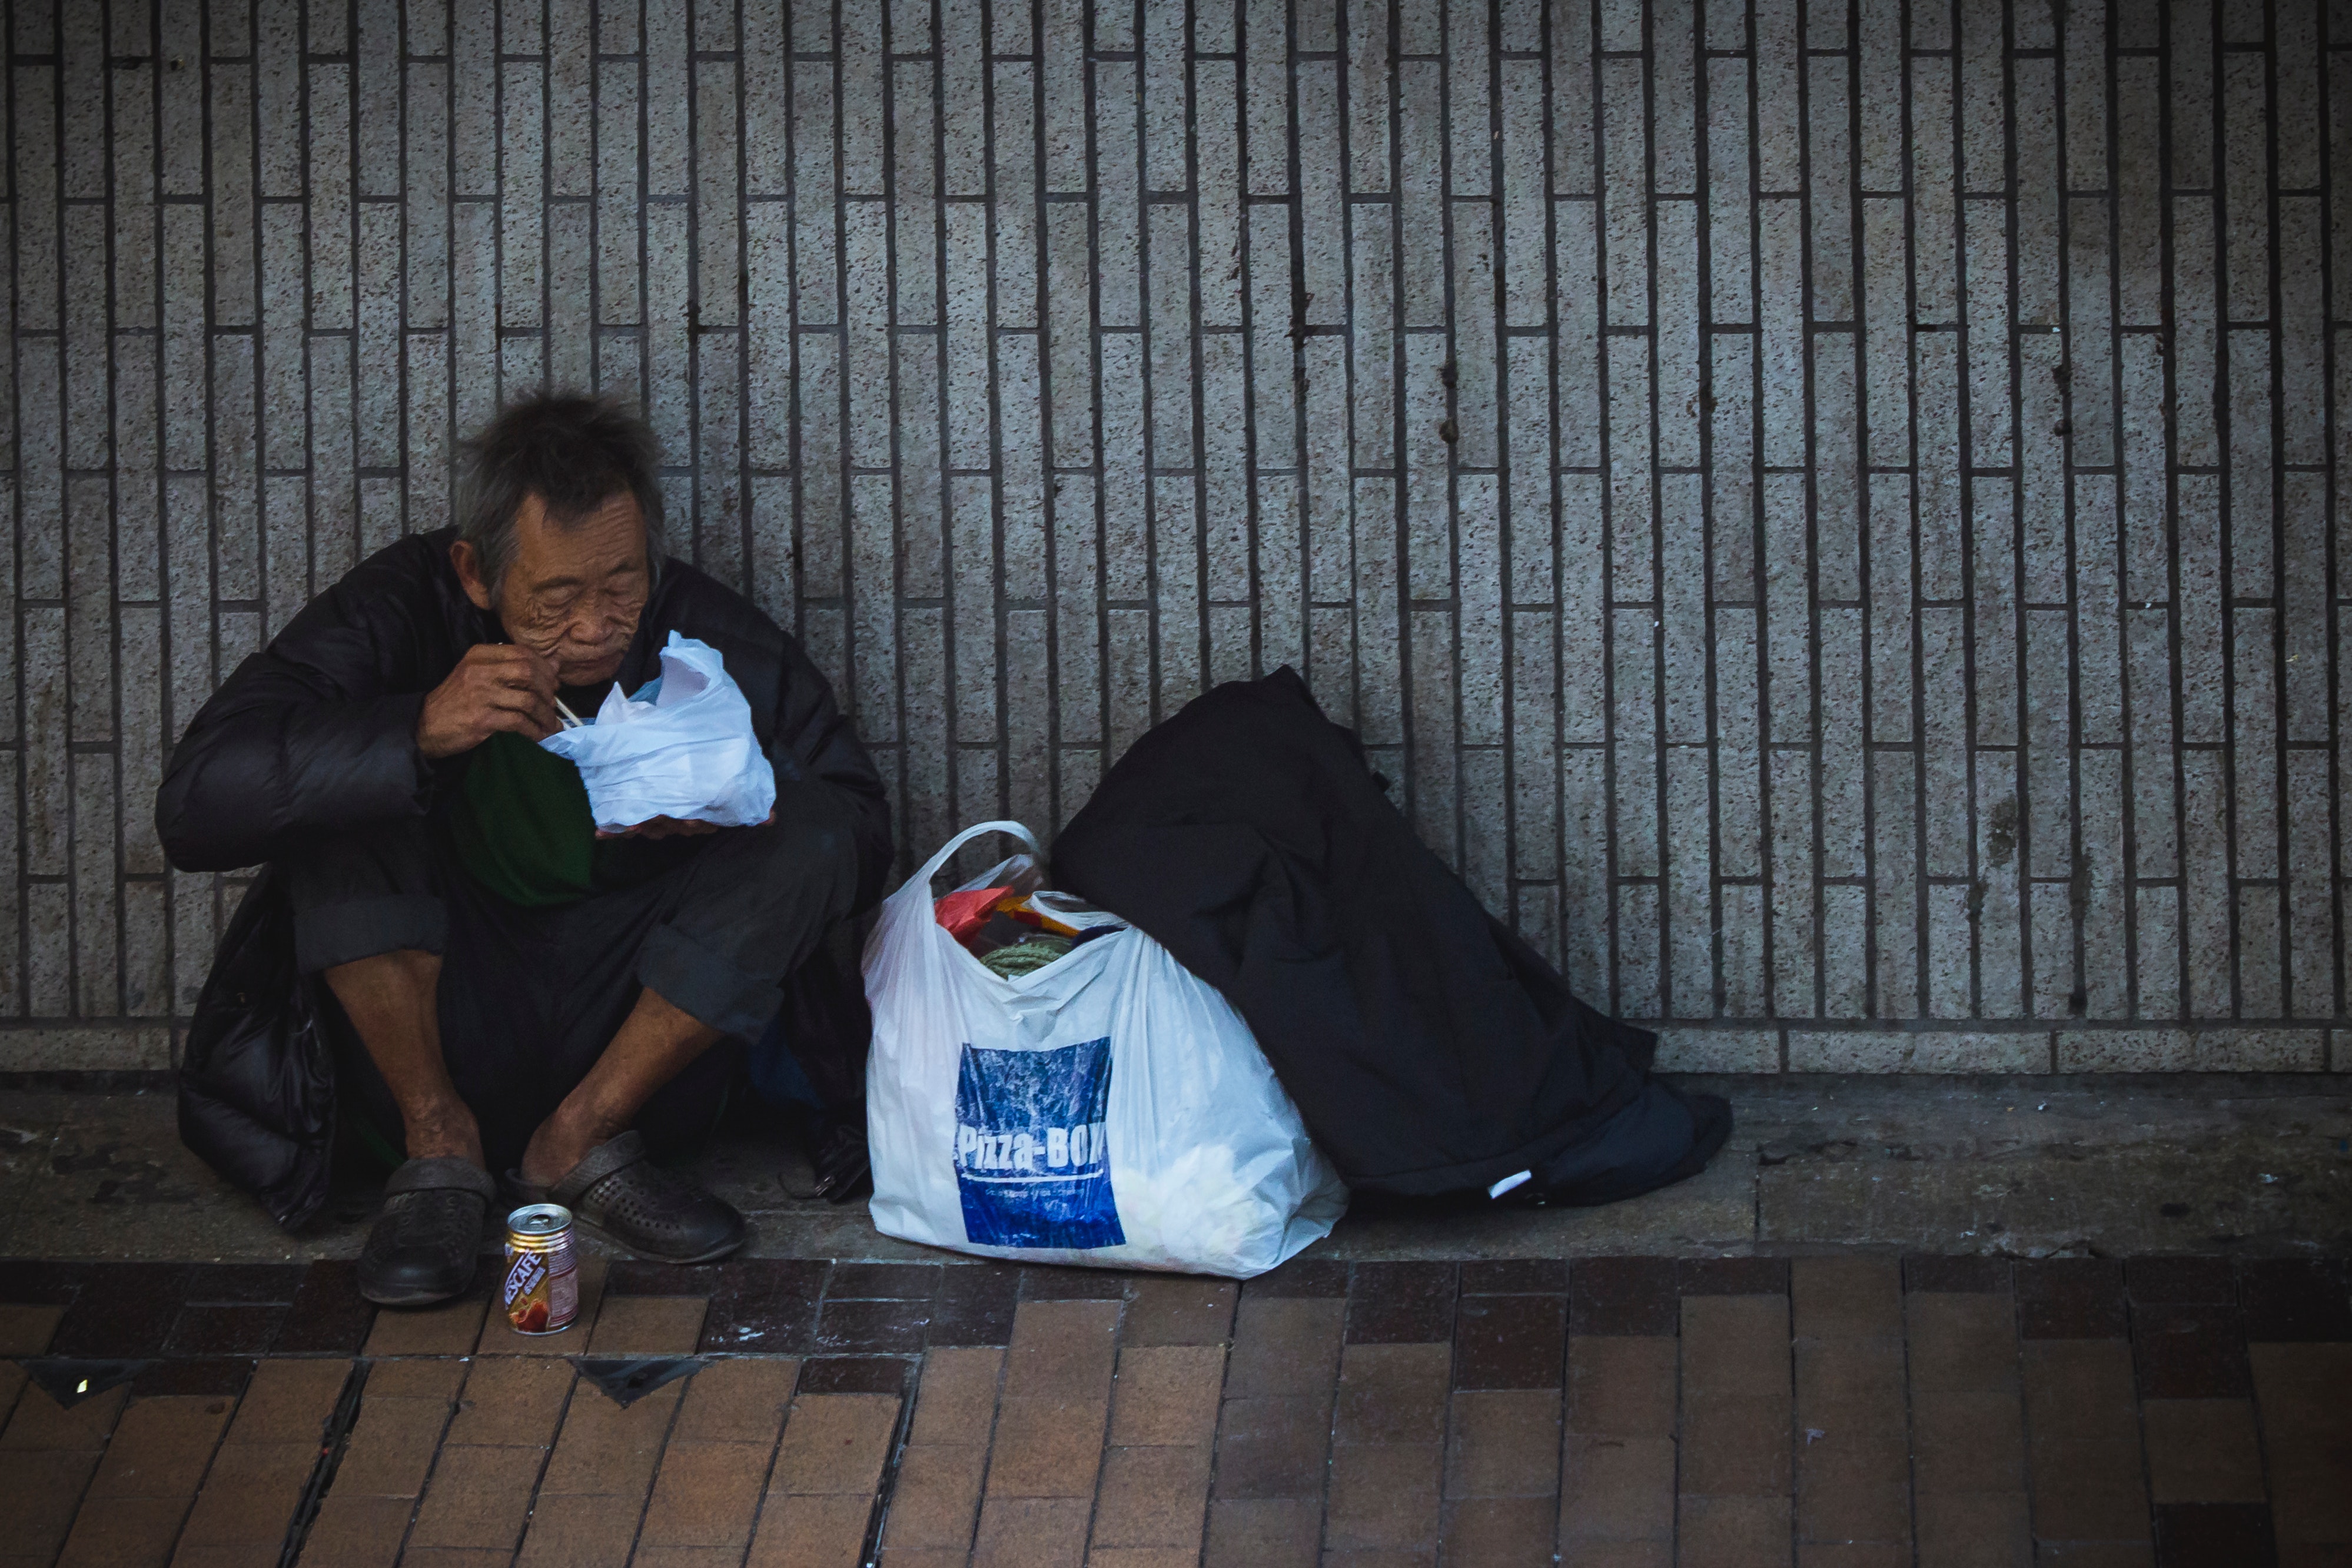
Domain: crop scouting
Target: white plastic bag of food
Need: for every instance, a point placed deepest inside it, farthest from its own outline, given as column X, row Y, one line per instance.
column 683, row 747
column 1108, row 1109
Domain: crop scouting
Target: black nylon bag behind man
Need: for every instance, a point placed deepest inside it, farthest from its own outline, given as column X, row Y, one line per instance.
column 1431, row 1052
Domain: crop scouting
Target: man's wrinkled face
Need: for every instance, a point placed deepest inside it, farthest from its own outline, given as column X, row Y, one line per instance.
column 573, row 590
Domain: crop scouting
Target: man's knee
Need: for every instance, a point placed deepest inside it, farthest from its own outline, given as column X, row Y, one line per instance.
column 403, row 969
column 372, row 892
column 811, row 844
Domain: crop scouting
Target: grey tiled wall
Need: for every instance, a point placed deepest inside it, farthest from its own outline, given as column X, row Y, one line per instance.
column 1824, row 510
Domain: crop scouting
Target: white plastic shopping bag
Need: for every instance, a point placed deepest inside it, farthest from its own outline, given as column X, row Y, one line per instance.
column 683, row 747
column 1108, row 1109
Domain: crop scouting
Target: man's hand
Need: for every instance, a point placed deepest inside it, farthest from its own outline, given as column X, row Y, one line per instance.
column 662, row 827
column 670, row 827
column 496, row 686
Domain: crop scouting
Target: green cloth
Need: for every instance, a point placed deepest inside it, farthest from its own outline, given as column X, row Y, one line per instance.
column 521, row 827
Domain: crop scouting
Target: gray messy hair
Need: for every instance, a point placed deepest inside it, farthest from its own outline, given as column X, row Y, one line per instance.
column 573, row 451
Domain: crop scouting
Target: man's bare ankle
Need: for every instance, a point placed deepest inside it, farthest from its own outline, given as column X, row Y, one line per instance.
column 563, row 1141
column 443, row 1137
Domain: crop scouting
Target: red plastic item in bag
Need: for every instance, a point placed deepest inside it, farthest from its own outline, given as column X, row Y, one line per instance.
column 963, row 913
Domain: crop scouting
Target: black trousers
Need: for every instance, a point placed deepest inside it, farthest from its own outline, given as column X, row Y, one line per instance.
column 531, row 997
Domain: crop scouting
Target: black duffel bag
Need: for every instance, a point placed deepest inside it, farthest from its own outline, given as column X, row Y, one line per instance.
column 257, row 1080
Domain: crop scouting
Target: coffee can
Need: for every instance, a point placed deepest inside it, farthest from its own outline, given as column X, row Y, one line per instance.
column 541, row 1289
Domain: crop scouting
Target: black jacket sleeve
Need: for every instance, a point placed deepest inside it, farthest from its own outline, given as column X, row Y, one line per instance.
column 812, row 728
column 313, row 735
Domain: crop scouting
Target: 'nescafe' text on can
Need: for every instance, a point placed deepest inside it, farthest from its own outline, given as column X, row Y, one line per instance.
column 541, row 1289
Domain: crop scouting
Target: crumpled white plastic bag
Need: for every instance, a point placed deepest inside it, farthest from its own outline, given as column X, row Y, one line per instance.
column 683, row 747
column 1109, row 1109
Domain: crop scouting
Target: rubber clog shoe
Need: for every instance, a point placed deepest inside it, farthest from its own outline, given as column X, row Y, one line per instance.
column 423, row 1246
column 618, row 1189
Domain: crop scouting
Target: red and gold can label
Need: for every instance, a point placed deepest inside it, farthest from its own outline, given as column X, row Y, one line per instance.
column 541, row 1291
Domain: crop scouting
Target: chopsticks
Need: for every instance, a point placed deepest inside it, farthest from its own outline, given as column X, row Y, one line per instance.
column 571, row 721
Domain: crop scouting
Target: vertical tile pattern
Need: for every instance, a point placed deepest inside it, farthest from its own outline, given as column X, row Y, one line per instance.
column 1617, row 1450
column 1852, row 1481
column 2165, row 1408
column 1823, row 515
column 1967, row 1439
column 1275, row 1431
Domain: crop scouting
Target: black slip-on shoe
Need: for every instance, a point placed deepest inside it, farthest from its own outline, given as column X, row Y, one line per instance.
column 620, row 1191
column 422, row 1247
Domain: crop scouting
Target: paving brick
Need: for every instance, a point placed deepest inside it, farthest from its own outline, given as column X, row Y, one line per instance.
column 41, row 1489
column 511, row 1400
column 2214, row 1533
column 1384, row 1496
column 124, row 1530
column 768, row 1305
column 1055, row 1402
column 1304, row 1277
column 1509, row 1341
column 935, row 1497
column 859, row 1327
column 1503, row 1444
column 647, row 1325
column 2190, row 1351
column 1845, row 1297
column 1391, row 1394
column 1285, row 1346
column 594, row 1530
column 1272, row 1448
column 124, row 1309
column 810, row 1532
column 327, row 1312
column 606, row 1448
column 1167, row 1395
column 1151, row 1497
column 2296, row 1299
column 477, row 1499
column 2307, row 1438
column 833, row 1444
column 2085, row 1465
column 2070, row 1299
column 857, row 1374
column 1046, row 1447
column 1852, row 1451
column 24, row 1331
column 2202, row 1451
column 736, row 1401
column 1962, row 1344
column 1623, row 1296
column 1959, row 1527
column 957, row 1399
column 704, row 1495
column 1621, row 1387
column 402, row 1412
column 885, row 1281
column 453, row 1327
column 1727, row 1530
column 1026, row 1531
column 1287, row 1532
column 357, row 1531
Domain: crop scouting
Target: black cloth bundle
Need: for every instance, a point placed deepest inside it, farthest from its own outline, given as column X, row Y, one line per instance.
column 1431, row 1051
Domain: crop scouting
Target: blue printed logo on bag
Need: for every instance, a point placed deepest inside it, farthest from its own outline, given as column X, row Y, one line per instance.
column 1030, row 1166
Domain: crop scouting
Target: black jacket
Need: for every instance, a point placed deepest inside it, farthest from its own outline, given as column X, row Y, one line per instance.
column 1430, row 1051
column 316, row 735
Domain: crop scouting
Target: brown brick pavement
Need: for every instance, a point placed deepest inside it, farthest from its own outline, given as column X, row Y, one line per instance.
column 1845, row 1412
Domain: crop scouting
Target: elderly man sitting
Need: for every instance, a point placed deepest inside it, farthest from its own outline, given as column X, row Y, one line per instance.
column 528, row 995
